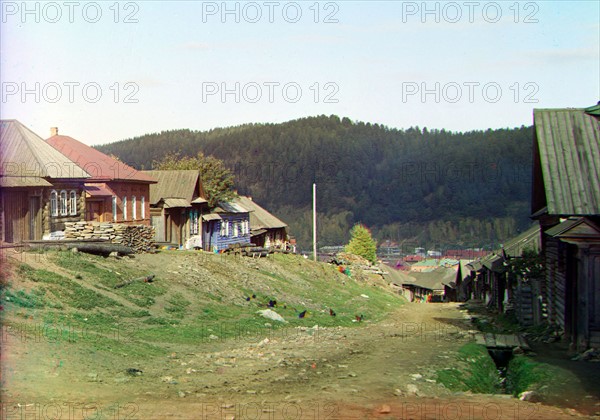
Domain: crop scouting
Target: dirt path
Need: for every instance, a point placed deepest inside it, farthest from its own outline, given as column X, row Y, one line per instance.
column 382, row 370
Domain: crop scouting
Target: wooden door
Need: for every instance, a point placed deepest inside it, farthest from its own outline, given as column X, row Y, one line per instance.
column 35, row 218
column 94, row 210
column 16, row 207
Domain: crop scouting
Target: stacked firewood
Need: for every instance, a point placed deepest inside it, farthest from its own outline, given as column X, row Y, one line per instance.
column 138, row 237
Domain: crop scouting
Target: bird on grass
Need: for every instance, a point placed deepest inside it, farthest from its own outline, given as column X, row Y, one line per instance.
column 331, row 312
column 272, row 303
column 302, row 314
column 359, row 318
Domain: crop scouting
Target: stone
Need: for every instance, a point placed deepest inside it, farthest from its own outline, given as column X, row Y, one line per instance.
column 385, row 409
column 412, row 389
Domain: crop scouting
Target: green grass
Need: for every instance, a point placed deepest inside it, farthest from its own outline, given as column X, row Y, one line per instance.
column 524, row 374
column 475, row 371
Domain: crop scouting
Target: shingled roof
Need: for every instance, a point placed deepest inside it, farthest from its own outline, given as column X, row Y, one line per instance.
column 26, row 160
column 100, row 166
column 566, row 163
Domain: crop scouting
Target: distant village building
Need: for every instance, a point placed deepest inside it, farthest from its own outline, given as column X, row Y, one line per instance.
column 114, row 192
column 41, row 189
column 566, row 204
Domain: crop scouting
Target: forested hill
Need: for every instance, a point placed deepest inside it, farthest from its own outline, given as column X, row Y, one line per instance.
column 433, row 186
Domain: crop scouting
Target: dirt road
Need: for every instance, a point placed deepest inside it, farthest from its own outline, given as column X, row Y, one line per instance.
column 379, row 370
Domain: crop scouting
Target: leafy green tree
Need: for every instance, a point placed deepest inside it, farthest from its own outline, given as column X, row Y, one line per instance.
column 362, row 243
column 217, row 180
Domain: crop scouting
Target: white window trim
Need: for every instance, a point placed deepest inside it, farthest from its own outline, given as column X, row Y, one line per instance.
column 114, row 208
column 133, row 207
column 73, row 203
column 53, row 203
column 63, row 210
column 124, row 203
column 143, row 207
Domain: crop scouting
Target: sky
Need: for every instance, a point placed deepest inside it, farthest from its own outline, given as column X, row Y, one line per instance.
column 107, row 71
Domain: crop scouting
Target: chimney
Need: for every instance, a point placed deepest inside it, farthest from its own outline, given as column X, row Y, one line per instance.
column 53, row 131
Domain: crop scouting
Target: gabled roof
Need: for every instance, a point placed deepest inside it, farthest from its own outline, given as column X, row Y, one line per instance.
column 100, row 166
column 576, row 229
column 259, row 217
column 530, row 239
column 27, row 160
column 566, row 162
column 183, row 184
column 434, row 280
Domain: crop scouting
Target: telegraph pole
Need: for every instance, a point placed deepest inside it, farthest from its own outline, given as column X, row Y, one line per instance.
column 315, row 221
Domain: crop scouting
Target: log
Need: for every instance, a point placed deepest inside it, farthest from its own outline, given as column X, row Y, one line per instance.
column 103, row 249
column 145, row 279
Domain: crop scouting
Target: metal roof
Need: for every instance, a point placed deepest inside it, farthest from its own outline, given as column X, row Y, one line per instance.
column 259, row 217
column 98, row 190
column 568, row 142
column 174, row 184
column 230, row 207
column 211, row 216
column 97, row 164
column 27, row 160
column 176, row 202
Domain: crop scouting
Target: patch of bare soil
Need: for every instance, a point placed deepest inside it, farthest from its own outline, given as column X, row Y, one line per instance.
column 380, row 370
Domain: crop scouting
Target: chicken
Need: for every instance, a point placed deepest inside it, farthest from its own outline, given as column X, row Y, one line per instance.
column 302, row 314
column 331, row 312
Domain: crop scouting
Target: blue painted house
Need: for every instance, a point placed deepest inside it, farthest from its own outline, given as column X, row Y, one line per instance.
column 227, row 224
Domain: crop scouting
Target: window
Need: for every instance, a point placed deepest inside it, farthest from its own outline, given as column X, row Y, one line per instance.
column 143, row 207
column 73, row 203
column 224, row 228
column 236, row 231
column 114, row 208
column 62, row 204
column 133, row 209
column 124, row 208
column 194, row 222
column 53, row 203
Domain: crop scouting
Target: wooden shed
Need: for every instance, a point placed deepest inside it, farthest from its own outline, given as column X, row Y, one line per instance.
column 266, row 230
column 177, row 204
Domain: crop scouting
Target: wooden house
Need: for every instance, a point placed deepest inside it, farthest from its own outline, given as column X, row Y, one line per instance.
column 41, row 188
column 566, row 203
column 430, row 286
column 177, row 205
column 115, row 192
column 227, row 225
column 266, row 230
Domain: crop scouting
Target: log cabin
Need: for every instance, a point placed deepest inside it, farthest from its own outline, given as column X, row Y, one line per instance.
column 41, row 188
column 566, row 204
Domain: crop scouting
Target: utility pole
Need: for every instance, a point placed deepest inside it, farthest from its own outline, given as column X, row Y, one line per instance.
column 315, row 221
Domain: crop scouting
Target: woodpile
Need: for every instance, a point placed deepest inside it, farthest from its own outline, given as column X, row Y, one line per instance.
column 139, row 237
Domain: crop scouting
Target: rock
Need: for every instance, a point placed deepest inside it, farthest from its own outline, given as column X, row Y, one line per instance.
column 272, row 315
column 385, row 409
column 412, row 389
column 527, row 396
column 416, row 376
column 398, row 392
column 92, row 377
column 181, row 394
column 518, row 350
column 364, row 296
column 213, row 337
